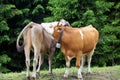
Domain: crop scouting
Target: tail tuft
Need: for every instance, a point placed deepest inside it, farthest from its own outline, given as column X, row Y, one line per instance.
column 20, row 48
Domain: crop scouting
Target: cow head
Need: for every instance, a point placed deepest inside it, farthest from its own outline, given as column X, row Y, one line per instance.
column 57, row 31
column 64, row 23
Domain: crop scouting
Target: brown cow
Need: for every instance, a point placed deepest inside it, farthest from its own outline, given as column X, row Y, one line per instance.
column 36, row 38
column 75, row 43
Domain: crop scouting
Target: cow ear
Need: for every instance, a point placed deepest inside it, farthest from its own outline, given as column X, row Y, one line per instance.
column 60, row 25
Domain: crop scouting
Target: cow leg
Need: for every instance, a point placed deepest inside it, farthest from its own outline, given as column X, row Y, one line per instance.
column 27, row 56
column 35, row 61
column 89, row 57
column 78, row 58
column 41, row 60
column 50, row 60
column 50, row 63
column 68, row 59
column 82, row 63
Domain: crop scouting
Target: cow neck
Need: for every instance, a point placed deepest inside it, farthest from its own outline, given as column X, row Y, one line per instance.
column 60, row 36
column 50, row 42
column 46, row 39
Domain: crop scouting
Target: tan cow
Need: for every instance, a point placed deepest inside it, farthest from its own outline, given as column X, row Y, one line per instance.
column 36, row 38
column 75, row 43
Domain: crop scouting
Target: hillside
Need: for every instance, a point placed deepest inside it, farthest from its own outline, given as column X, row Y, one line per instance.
column 98, row 73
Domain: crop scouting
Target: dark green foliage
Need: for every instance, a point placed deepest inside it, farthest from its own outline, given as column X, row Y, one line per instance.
column 6, row 12
column 102, row 14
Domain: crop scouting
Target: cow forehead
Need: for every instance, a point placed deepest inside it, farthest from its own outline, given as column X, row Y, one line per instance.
column 49, row 27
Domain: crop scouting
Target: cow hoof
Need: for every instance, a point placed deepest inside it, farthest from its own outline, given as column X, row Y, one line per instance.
column 80, row 78
column 50, row 74
column 38, row 74
column 33, row 78
column 89, row 72
column 65, row 76
column 28, row 78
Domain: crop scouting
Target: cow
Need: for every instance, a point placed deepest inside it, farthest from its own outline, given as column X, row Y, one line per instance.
column 38, row 39
column 76, row 43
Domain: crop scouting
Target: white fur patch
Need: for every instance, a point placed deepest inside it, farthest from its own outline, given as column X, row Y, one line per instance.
column 81, row 34
column 67, row 68
column 58, row 30
column 79, row 74
column 49, row 27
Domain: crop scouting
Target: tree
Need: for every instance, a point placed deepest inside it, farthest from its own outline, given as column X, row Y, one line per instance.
column 7, row 12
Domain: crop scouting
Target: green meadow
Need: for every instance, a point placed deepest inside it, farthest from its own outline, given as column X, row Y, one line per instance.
column 98, row 73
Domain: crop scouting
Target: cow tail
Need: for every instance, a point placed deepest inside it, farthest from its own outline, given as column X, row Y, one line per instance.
column 20, row 48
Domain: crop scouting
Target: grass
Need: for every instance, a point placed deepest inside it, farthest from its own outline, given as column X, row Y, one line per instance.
column 98, row 73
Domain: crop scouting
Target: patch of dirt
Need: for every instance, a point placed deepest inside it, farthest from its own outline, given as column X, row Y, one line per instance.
column 58, row 75
column 110, row 75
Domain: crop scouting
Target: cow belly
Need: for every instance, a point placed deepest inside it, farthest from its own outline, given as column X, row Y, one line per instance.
column 88, row 48
column 89, row 44
column 70, row 53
